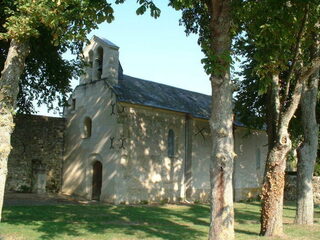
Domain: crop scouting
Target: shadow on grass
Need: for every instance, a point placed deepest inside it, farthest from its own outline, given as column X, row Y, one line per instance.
column 163, row 222
column 247, row 212
column 246, row 232
column 73, row 220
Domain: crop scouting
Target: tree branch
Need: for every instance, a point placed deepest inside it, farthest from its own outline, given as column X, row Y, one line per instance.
column 304, row 75
column 296, row 52
column 275, row 98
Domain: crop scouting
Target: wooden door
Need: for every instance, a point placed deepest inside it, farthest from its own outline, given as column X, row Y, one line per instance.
column 96, row 180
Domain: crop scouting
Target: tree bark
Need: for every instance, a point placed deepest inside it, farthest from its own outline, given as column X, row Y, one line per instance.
column 9, row 88
column 307, row 153
column 221, row 166
column 273, row 185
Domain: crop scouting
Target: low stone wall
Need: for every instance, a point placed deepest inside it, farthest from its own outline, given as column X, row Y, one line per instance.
column 35, row 161
column 316, row 189
column 244, row 194
column 290, row 192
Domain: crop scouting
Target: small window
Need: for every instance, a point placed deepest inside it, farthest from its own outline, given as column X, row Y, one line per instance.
column 87, row 127
column 73, row 104
column 171, row 143
column 90, row 58
column 90, row 71
column 99, row 60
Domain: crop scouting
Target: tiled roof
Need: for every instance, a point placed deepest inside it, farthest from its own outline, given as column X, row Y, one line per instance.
column 152, row 94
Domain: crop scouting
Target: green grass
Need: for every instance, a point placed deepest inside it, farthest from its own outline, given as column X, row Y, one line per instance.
column 87, row 222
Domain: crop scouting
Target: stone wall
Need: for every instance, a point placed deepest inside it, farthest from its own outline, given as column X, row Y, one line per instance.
column 146, row 171
column 290, row 192
column 251, row 149
column 35, row 161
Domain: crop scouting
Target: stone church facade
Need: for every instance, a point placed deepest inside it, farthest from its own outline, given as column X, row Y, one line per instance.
column 128, row 140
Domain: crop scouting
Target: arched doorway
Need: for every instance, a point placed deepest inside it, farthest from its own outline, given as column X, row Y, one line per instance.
column 96, row 180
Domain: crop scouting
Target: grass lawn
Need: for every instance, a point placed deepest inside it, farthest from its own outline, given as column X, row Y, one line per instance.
column 86, row 222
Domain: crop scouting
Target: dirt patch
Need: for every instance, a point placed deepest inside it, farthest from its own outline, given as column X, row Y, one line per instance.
column 11, row 237
column 33, row 199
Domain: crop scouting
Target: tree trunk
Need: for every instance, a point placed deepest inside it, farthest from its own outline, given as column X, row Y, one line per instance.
column 221, row 166
column 307, row 153
column 273, row 184
column 9, row 88
column 221, row 169
column 273, row 187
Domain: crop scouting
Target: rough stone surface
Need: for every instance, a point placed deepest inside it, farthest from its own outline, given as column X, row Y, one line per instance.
column 290, row 192
column 316, row 189
column 37, row 149
column 147, row 171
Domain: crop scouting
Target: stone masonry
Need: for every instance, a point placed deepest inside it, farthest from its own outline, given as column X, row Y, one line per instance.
column 290, row 192
column 35, row 161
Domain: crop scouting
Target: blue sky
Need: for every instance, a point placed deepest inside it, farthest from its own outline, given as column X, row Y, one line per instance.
column 155, row 49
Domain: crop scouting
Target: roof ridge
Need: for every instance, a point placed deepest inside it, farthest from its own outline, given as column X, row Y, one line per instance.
column 163, row 84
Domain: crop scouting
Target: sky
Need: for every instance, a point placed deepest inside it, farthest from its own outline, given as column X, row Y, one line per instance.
column 154, row 49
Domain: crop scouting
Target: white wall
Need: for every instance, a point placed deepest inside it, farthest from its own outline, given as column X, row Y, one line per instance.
column 251, row 149
column 95, row 101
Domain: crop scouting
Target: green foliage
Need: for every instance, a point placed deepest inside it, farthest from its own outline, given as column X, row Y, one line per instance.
column 144, row 6
column 196, row 19
column 52, row 27
column 67, row 20
column 24, row 189
column 249, row 103
column 272, row 31
column 154, row 11
column 144, row 202
column 317, row 168
column 164, row 201
column 47, row 75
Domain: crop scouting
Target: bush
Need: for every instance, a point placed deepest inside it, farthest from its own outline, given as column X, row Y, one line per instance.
column 144, row 202
column 317, row 168
column 24, row 189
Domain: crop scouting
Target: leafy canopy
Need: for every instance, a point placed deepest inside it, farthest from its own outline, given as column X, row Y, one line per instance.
column 275, row 36
column 52, row 27
column 272, row 42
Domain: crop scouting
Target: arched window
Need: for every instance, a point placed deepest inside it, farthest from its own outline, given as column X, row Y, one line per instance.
column 90, row 71
column 87, row 127
column 99, row 61
column 171, row 143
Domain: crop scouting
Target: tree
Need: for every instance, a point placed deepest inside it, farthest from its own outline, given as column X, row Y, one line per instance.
column 212, row 20
column 307, row 152
column 46, row 77
column 276, row 38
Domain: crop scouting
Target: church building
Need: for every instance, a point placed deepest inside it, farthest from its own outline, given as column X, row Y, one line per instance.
column 129, row 140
